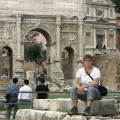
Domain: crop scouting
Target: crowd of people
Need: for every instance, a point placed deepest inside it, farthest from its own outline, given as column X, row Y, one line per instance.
column 84, row 88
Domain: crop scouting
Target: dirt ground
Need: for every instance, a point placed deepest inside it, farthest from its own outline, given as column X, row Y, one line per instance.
column 107, row 64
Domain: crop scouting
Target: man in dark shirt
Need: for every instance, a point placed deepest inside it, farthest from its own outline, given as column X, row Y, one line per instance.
column 13, row 90
column 42, row 88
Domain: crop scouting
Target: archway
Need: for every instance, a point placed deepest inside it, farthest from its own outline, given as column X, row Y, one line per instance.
column 67, row 62
column 42, row 37
column 7, row 59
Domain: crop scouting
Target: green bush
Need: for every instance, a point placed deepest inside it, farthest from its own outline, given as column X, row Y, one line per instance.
column 118, row 72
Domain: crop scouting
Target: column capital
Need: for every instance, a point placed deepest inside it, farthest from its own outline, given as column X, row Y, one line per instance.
column 58, row 19
column 80, row 23
column 18, row 17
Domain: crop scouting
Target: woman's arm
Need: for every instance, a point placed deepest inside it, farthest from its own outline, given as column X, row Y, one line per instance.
column 94, row 84
column 76, row 83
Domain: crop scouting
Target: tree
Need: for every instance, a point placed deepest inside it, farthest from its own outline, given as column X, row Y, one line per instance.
column 117, row 2
column 117, row 7
column 34, row 53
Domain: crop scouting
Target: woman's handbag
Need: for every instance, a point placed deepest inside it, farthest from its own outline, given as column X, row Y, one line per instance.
column 101, row 88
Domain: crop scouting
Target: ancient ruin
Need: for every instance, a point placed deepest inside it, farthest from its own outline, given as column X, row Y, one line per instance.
column 71, row 29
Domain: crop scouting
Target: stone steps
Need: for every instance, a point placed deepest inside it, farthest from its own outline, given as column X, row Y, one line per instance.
column 30, row 114
column 100, row 107
column 56, row 109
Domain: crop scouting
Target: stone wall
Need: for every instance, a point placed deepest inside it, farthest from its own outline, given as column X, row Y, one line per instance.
column 62, row 22
column 5, row 82
column 107, row 64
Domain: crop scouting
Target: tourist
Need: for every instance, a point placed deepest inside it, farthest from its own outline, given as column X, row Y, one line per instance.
column 13, row 91
column 42, row 89
column 36, row 79
column 84, row 87
column 25, row 93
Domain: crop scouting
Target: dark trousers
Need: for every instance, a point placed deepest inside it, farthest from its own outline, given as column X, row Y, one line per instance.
column 24, row 103
column 11, row 104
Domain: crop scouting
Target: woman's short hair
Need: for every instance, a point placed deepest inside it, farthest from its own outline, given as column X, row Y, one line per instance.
column 88, row 56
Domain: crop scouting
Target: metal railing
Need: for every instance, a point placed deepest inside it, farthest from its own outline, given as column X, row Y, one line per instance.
column 51, row 95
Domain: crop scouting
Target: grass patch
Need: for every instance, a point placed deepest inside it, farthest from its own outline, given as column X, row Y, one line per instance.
column 58, row 95
column 67, row 95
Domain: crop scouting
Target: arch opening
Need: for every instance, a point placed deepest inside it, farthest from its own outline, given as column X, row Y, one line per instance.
column 67, row 62
column 6, row 61
column 43, row 38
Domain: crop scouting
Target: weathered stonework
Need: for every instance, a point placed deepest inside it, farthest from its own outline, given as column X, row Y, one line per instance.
column 73, row 25
column 56, row 109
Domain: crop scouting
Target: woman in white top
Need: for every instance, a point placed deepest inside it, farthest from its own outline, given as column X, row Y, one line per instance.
column 85, row 87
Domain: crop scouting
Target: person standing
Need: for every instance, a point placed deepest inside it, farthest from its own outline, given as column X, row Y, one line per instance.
column 36, row 79
column 84, row 87
column 13, row 90
column 25, row 93
column 41, row 88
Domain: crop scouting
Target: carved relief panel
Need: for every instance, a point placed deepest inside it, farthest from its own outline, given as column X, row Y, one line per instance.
column 7, row 31
column 69, row 34
column 2, row 24
column 99, row 12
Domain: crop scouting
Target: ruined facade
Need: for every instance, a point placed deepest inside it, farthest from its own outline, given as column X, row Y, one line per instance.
column 100, row 26
column 118, row 31
column 73, row 26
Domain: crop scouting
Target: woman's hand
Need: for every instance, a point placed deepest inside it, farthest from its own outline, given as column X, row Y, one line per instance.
column 80, row 90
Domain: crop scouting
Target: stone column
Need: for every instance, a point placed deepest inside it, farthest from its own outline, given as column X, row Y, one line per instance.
column 106, row 37
column 114, row 38
column 18, row 26
column 58, row 22
column 19, row 67
column 81, row 3
column 81, row 46
column 58, row 74
column 94, row 37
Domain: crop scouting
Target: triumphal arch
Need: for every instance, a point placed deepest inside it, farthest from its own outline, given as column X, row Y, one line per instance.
column 63, row 24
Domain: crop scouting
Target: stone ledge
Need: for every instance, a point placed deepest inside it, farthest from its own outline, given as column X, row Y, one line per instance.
column 29, row 114
column 100, row 107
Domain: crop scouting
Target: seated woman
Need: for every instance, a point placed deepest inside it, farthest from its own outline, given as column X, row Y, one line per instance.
column 85, row 87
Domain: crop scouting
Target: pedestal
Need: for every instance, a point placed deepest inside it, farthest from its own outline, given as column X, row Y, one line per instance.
column 58, row 75
column 30, row 75
column 19, row 71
